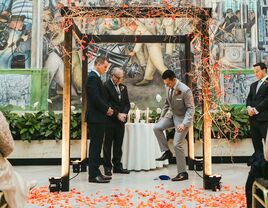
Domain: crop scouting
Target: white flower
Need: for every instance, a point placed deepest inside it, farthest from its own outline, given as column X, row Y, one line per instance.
column 72, row 108
column 132, row 105
column 158, row 98
column 49, row 101
column 158, row 110
column 35, row 104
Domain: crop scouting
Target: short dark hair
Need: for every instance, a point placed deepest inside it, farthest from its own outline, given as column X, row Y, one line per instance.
column 168, row 74
column 261, row 65
column 100, row 60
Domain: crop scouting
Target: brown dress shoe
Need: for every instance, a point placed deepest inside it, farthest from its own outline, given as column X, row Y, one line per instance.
column 167, row 155
column 181, row 177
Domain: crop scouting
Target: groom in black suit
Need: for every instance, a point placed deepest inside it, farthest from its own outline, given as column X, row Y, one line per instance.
column 98, row 110
column 257, row 107
column 118, row 99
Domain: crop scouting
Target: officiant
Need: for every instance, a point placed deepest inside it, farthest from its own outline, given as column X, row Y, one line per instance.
column 115, row 128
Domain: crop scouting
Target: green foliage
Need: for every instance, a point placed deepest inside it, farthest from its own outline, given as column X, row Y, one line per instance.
column 230, row 122
column 154, row 116
column 40, row 125
column 51, row 126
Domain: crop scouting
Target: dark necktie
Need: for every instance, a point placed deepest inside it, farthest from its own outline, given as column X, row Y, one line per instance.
column 170, row 94
column 118, row 91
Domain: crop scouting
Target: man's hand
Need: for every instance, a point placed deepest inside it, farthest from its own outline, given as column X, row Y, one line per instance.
column 180, row 128
column 251, row 111
column 132, row 53
column 122, row 117
column 110, row 112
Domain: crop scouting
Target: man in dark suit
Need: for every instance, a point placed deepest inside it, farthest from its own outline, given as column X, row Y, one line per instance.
column 257, row 107
column 98, row 110
column 118, row 99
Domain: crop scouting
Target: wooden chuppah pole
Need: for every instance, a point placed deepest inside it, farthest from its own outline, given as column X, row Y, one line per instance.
column 191, row 155
column 207, row 171
column 83, row 111
column 66, row 108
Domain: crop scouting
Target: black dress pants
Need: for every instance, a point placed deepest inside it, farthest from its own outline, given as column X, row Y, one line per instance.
column 258, row 169
column 96, row 134
column 258, row 131
column 113, row 138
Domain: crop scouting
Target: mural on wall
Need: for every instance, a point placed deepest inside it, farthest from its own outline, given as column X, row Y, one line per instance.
column 20, row 93
column 143, row 63
column 15, row 33
column 15, row 51
column 53, row 37
column 235, row 34
column 236, row 85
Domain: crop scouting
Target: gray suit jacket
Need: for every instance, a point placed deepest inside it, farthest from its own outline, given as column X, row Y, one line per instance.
column 180, row 105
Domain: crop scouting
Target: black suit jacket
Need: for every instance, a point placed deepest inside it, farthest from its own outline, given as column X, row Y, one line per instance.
column 259, row 100
column 119, row 106
column 97, row 103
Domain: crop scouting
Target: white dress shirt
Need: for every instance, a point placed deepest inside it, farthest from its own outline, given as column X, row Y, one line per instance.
column 117, row 90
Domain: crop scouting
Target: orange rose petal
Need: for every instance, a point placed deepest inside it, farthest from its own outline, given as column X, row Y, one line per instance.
column 161, row 198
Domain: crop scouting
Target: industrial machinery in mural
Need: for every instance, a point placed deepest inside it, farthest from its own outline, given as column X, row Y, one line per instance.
column 235, row 86
column 116, row 55
column 15, row 33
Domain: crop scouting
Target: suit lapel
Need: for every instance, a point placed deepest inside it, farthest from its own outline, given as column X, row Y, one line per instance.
column 113, row 90
column 254, row 87
column 261, row 87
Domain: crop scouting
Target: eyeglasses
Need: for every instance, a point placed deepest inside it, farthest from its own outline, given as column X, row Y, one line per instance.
column 119, row 78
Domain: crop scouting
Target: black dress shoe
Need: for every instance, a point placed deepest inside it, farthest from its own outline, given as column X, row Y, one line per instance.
column 104, row 177
column 121, row 170
column 181, row 177
column 167, row 155
column 97, row 179
column 107, row 172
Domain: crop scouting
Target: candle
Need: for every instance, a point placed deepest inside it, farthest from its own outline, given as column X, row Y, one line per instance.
column 138, row 115
column 128, row 116
column 147, row 115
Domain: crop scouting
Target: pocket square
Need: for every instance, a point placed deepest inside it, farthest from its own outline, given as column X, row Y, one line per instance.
column 178, row 99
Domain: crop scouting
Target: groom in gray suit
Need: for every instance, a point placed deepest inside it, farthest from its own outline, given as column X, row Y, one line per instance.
column 177, row 112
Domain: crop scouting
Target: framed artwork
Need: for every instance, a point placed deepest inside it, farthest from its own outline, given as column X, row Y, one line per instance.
column 235, row 85
column 24, row 89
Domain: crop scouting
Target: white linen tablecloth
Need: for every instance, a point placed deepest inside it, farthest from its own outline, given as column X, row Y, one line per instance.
column 140, row 147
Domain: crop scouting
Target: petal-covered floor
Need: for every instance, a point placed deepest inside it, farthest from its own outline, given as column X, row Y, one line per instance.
column 139, row 189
